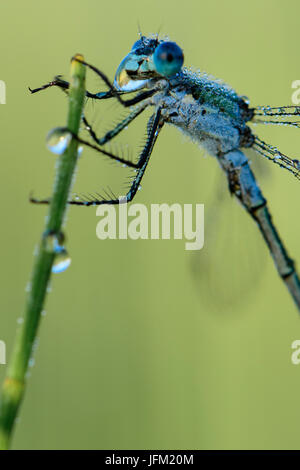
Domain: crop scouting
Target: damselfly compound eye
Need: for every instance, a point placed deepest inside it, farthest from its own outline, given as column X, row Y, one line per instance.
column 168, row 59
column 58, row 140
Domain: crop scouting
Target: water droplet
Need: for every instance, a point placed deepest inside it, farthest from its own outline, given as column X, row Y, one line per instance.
column 246, row 99
column 43, row 313
column 124, row 165
column 58, row 140
column 36, row 250
column 31, row 362
column 35, row 344
column 297, row 164
column 53, row 241
column 28, row 287
column 20, row 320
column 62, row 261
column 139, row 188
column 79, row 151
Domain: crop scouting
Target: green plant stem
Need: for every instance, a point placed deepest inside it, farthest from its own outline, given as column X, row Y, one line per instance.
column 14, row 383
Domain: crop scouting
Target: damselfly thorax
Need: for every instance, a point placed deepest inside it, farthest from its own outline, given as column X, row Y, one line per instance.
column 218, row 125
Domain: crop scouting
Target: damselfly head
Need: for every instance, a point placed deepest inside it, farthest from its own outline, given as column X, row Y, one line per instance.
column 149, row 58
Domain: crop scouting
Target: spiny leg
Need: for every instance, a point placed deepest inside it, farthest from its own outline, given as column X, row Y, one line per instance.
column 110, row 135
column 112, row 93
column 278, row 111
column 243, row 184
column 117, row 129
column 154, row 126
column 280, row 116
column 126, row 103
column 276, row 116
column 64, row 85
column 272, row 153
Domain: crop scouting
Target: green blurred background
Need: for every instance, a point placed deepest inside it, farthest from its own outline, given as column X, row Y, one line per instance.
column 145, row 345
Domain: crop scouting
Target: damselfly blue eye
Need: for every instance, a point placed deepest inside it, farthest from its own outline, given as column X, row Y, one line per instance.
column 168, row 59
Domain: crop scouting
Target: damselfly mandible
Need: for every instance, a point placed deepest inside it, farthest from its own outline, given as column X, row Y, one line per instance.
column 208, row 111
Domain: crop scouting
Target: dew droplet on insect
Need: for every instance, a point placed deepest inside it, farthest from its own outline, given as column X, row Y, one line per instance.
column 139, row 188
column 62, row 261
column 58, row 140
column 297, row 164
column 246, row 99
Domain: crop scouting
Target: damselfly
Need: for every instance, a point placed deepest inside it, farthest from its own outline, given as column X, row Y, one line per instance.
column 209, row 112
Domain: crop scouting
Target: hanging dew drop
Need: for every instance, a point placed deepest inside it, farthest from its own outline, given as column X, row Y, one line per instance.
column 62, row 261
column 35, row 344
column 28, row 287
column 31, row 362
column 296, row 164
column 58, row 140
column 53, row 241
column 79, row 151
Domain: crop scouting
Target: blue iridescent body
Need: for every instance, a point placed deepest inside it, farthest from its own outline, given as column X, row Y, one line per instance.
column 208, row 111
